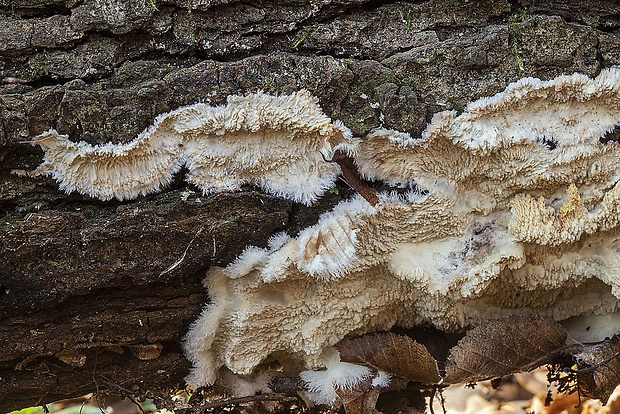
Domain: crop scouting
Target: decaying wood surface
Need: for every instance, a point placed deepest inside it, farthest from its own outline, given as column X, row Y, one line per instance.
column 88, row 288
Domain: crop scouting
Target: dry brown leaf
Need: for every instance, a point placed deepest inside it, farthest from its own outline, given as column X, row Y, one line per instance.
column 504, row 346
column 361, row 398
column 599, row 369
column 395, row 354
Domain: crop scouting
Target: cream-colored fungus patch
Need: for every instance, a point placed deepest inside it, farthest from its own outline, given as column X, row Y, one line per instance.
column 273, row 142
column 510, row 208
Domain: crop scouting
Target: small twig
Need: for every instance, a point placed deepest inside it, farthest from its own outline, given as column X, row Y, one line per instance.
column 243, row 400
column 114, row 386
column 442, row 401
column 136, row 403
column 431, row 400
column 123, row 391
column 352, row 176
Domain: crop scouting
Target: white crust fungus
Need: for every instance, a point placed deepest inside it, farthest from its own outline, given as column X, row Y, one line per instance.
column 512, row 207
column 321, row 385
column 273, row 142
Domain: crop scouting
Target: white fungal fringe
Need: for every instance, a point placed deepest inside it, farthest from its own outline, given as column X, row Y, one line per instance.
column 273, row 142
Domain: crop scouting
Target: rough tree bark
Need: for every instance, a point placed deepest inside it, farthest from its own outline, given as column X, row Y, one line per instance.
column 97, row 295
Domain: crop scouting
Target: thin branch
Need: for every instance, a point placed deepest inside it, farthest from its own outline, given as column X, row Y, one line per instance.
column 123, row 391
column 352, row 176
column 240, row 400
column 133, row 400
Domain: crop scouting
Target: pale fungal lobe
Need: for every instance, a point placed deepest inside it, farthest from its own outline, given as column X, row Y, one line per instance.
column 273, row 142
column 510, row 208
column 321, row 385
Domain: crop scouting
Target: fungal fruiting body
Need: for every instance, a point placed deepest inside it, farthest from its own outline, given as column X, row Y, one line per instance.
column 273, row 142
column 510, row 208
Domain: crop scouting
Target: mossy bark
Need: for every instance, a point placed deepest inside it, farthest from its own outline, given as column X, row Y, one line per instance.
column 84, row 283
